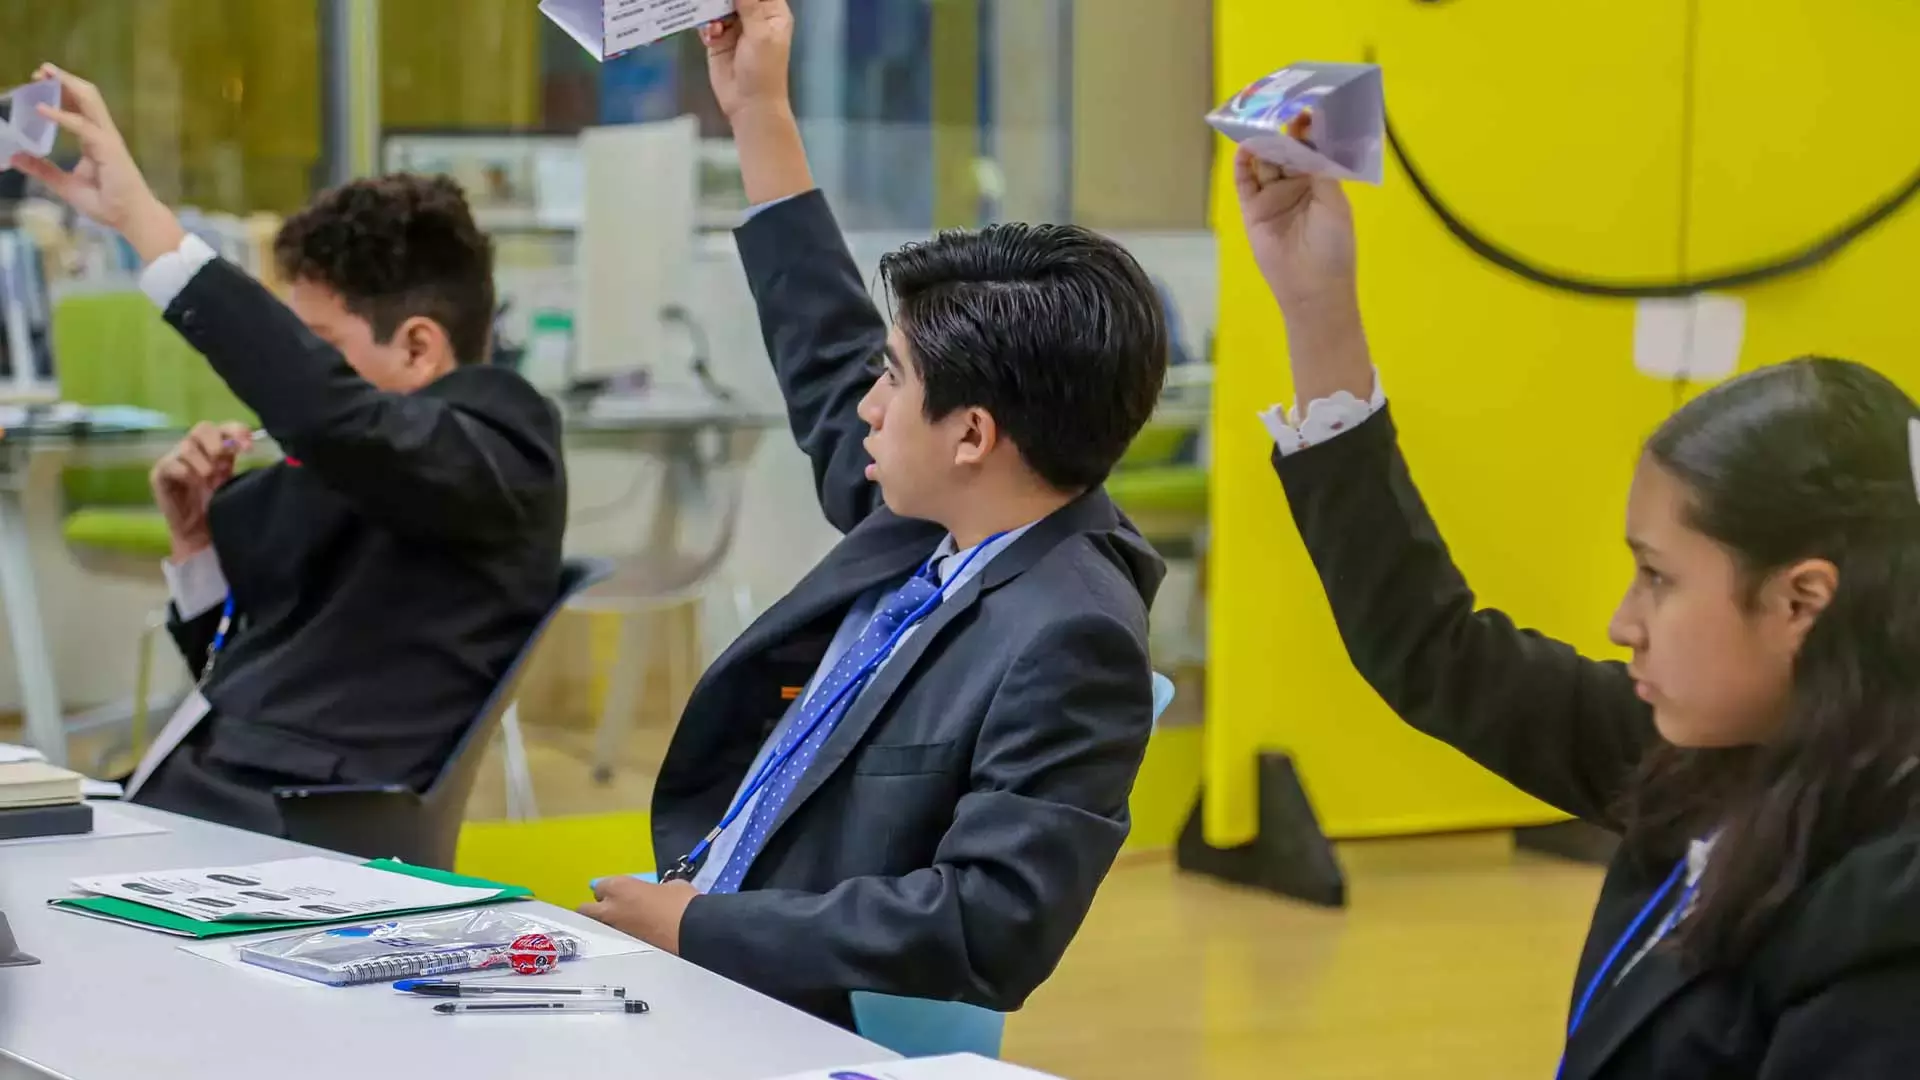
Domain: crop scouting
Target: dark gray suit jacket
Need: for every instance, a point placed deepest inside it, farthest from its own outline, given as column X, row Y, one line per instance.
column 382, row 586
column 1829, row 990
column 949, row 838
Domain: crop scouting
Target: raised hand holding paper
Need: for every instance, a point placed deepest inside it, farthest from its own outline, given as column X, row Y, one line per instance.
column 22, row 129
column 1310, row 118
column 607, row 28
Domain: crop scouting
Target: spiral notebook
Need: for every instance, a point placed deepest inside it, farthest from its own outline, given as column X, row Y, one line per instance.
column 447, row 943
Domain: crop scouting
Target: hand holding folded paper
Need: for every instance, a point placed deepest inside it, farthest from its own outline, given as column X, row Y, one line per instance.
column 607, row 28
column 23, row 129
column 1313, row 119
column 106, row 186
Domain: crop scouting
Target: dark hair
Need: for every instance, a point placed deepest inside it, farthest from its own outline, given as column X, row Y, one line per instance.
column 395, row 247
column 1052, row 329
column 1808, row 459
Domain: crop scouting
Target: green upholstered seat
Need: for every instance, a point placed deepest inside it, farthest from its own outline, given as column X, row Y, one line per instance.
column 1167, row 501
column 113, row 348
column 1156, row 444
column 1161, row 489
column 123, row 530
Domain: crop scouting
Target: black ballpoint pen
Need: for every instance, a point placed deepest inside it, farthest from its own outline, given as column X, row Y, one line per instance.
column 452, row 989
column 603, row 1005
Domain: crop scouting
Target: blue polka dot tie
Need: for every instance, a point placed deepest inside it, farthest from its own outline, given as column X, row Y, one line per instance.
column 852, row 667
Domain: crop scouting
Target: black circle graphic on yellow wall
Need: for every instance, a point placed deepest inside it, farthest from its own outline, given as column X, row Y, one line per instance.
column 1805, row 258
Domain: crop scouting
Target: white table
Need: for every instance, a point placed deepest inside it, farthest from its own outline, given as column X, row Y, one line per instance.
column 110, row 1001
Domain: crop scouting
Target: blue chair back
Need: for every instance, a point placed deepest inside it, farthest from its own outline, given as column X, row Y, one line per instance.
column 919, row 1027
column 423, row 828
column 1162, row 696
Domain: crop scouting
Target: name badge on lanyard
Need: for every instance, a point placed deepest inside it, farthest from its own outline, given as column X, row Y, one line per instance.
column 190, row 713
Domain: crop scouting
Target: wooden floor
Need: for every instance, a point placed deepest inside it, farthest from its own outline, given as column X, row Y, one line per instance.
column 1453, row 960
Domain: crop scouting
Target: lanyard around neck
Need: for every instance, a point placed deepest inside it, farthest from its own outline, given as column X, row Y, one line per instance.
column 684, row 869
column 220, row 632
column 1626, row 938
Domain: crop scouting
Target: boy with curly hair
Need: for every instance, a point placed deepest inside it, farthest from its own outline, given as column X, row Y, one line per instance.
column 347, row 611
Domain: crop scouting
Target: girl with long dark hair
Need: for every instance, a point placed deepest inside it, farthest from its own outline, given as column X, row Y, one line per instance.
column 1760, row 755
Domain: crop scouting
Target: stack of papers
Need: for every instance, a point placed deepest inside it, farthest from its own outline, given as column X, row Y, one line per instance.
column 36, row 783
column 216, row 901
column 953, row 1067
column 10, row 753
column 39, row 800
column 89, row 787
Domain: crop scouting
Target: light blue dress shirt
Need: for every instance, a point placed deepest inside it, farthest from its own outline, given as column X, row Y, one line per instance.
column 948, row 564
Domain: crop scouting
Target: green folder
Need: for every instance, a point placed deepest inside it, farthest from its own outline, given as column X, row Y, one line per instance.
column 114, row 909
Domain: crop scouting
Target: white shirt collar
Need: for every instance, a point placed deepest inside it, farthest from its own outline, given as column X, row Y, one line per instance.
column 1698, row 851
column 948, row 559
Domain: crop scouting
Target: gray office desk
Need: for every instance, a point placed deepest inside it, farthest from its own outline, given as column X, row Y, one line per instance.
column 692, row 438
column 110, row 1002
column 30, row 465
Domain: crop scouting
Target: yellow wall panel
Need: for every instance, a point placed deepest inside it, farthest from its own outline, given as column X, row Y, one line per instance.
column 1555, row 130
column 1803, row 121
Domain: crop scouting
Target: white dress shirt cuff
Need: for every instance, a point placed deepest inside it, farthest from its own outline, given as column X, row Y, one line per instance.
column 1326, row 418
column 198, row 585
column 170, row 273
column 754, row 211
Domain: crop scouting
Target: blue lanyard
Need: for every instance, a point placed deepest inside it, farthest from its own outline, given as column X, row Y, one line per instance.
column 1632, row 931
column 219, row 639
column 684, row 869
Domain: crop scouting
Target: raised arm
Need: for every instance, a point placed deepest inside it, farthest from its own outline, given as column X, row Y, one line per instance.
column 1566, row 729
column 821, row 327
column 466, row 466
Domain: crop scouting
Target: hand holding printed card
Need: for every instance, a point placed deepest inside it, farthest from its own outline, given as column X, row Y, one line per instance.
column 1313, row 119
column 607, row 28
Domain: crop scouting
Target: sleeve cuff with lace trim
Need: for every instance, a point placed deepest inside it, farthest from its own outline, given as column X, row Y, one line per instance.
column 1326, row 417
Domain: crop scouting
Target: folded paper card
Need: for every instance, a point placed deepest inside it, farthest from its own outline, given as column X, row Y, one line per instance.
column 22, row 129
column 314, row 888
column 607, row 28
column 337, row 905
column 1318, row 119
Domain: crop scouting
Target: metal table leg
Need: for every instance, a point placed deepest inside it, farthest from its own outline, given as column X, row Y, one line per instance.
column 38, row 693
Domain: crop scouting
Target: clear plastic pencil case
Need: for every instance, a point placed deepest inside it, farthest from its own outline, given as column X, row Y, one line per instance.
column 426, row 945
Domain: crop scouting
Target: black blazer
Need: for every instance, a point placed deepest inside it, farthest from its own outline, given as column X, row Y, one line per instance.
column 948, row 840
column 383, row 584
column 1832, row 991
